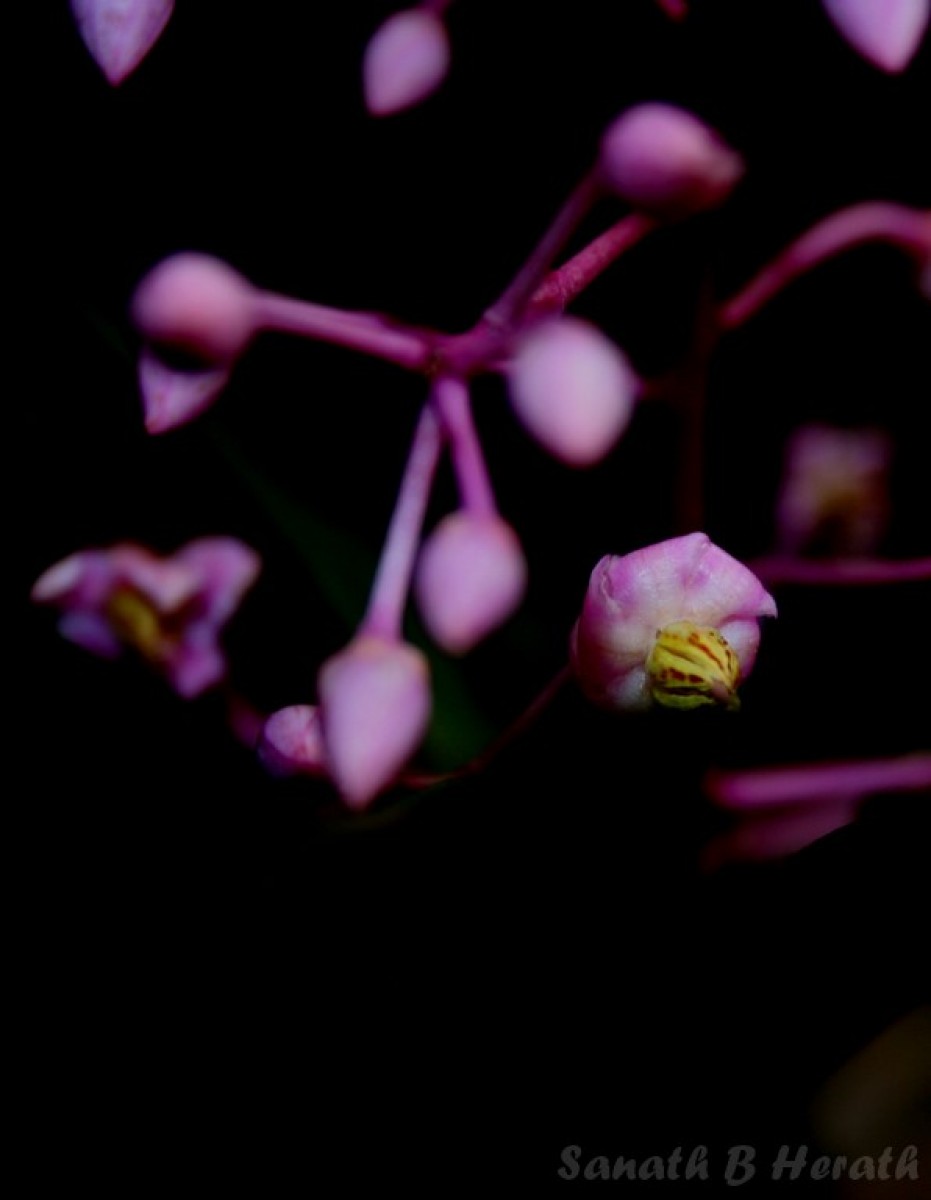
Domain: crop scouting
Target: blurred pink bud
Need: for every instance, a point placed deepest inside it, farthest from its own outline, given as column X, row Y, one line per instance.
column 834, row 494
column 572, row 388
column 292, row 742
column 406, row 60
column 120, row 33
column 169, row 610
column 886, row 32
column 666, row 162
column 631, row 600
column 471, row 577
column 197, row 304
column 172, row 397
column 375, row 708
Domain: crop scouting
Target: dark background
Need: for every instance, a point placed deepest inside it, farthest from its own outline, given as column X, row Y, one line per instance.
column 221, row 974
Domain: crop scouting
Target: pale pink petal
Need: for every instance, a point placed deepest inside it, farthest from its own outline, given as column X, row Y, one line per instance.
column 573, row 389
column 471, row 576
column 196, row 664
column 886, row 32
column 375, row 705
column 406, row 60
column 83, row 579
column 666, row 162
column 165, row 582
column 292, row 742
column 120, row 33
column 171, row 397
column 225, row 569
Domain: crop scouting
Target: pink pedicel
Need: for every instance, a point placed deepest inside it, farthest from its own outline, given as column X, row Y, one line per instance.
column 375, row 708
column 120, row 33
column 471, row 576
column 632, row 597
column 405, row 61
column 573, row 389
column 292, row 742
column 170, row 611
column 666, row 162
column 887, row 33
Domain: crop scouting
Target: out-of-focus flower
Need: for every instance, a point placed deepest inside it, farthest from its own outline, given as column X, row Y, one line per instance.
column 406, row 59
column 886, row 32
column 676, row 623
column 666, row 162
column 120, row 33
column 292, row 742
column 572, row 388
column 169, row 610
column 471, row 576
column 834, row 496
column 200, row 306
column 374, row 708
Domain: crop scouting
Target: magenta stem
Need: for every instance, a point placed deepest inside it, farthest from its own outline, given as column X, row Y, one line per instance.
column 451, row 400
column 562, row 286
column 907, row 228
column 819, row 782
column 365, row 332
column 776, row 569
column 509, row 306
column 385, row 611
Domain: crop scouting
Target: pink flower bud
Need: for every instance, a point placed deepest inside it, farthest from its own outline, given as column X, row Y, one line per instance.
column 120, row 33
column 676, row 622
column 292, row 742
column 198, row 304
column 470, row 578
column 666, row 162
column 572, row 388
column 375, row 707
column 405, row 61
column 886, row 32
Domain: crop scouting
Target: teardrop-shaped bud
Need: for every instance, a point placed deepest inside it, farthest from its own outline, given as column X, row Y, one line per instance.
column 573, row 389
column 405, row 61
column 197, row 304
column 666, row 162
column 172, row 397
column 885, row 32
column 471, row 576
column 375, row 707
column 120, row 33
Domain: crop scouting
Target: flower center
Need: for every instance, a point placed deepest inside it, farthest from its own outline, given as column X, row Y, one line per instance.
column 137, row 623
column 691, row 665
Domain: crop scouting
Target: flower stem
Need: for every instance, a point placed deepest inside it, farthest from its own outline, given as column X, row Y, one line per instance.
column 451, row 400
column 385, row 611
column 365, row 332
column 562, row 286
column 819, row 782
column 512, row 302
column 907, row 228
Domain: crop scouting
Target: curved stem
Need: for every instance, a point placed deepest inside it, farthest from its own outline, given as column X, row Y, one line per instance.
column 450, row 398
column 385, row 610
column 365, row 332
column 509, row 306
column 907, row 228
column 775, row 570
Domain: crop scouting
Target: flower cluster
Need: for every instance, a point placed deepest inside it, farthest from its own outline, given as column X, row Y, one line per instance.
column 676, row 623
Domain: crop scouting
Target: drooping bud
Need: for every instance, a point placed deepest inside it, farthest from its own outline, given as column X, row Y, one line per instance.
column 471, row 577
column 375, row 707
column 172, row 397
column 292, row 742
column 678, row 608
column 885, row 32
column 572, row 388
column 197, row 304
column 666, row 162
column 406, row 60
column 120, row 33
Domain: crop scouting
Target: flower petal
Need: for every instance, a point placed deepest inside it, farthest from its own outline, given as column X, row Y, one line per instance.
column 120, row 33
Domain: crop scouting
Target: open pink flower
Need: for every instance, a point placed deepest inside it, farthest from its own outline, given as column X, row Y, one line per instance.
column 169, row 610
column 676, row 623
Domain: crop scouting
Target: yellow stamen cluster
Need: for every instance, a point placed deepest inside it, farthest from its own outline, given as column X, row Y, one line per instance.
column 691, row 665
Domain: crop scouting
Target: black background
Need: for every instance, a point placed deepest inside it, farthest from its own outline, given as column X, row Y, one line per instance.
column 221, row 975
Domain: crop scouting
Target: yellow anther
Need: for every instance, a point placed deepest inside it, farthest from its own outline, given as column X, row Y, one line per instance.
column 691, row 665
